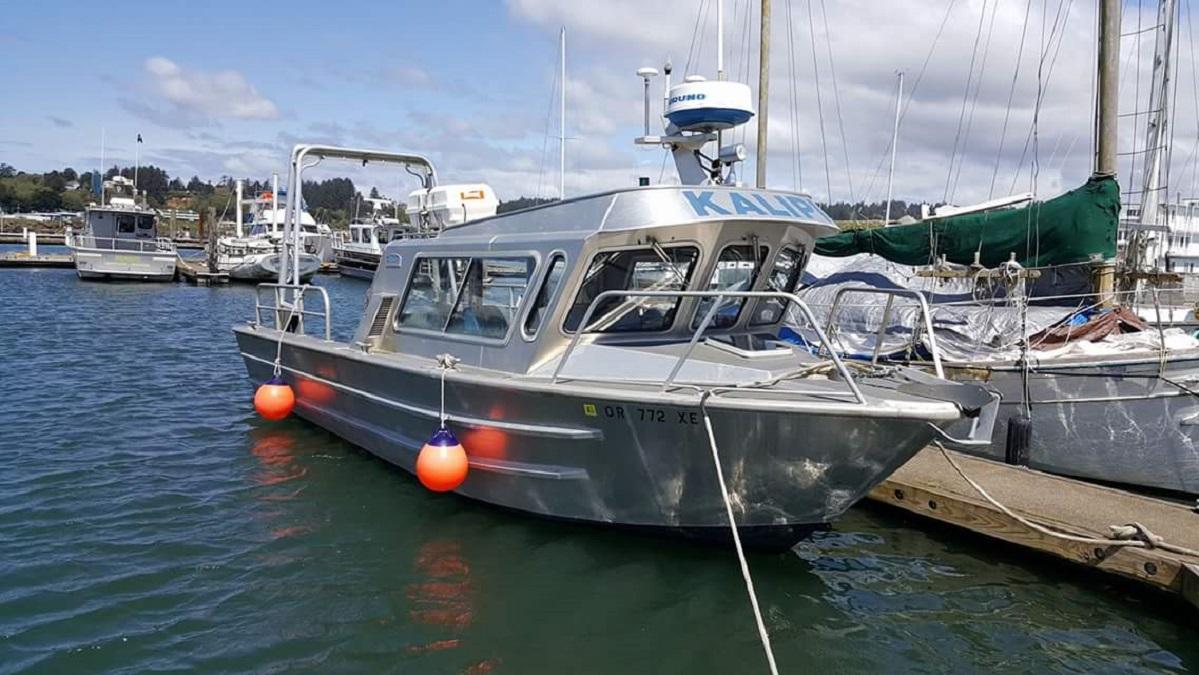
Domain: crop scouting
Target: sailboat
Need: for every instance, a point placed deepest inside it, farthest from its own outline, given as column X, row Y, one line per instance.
column 1023, row 301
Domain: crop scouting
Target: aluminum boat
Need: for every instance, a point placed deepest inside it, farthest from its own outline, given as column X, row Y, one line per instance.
column 593, row 338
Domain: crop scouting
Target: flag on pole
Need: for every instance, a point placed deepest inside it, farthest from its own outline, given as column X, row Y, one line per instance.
column 139, row 138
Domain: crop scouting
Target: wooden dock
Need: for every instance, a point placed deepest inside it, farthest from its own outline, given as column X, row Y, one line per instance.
column 929, row 486
column 44, row 260
column 197, row 273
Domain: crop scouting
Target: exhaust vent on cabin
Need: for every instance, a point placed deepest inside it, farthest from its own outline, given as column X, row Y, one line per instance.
column 379, row 323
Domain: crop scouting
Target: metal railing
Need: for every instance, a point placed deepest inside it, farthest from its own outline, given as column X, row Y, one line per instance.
column 156, row 245
column 286, row 308
column 790, row 298
column 891, row 294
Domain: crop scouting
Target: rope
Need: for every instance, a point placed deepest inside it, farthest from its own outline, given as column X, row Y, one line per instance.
column 282, row 332
column 445, row 362
column 728, row 507
column 1133, row 535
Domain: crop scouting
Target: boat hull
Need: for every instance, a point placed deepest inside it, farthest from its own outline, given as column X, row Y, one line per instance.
column 1114, row 422
column 567, row 452
column 265, row 267
column 359, row 264
column 120, row 264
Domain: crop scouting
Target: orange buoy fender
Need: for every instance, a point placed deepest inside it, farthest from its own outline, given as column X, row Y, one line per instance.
column 274, row 399
column 441, row 465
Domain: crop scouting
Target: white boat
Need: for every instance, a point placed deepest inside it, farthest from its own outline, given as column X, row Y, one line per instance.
column 257, row 256
column 428, row 212
column 120, row 240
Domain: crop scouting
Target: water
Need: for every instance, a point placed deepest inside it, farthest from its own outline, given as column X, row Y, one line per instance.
column 149, row 521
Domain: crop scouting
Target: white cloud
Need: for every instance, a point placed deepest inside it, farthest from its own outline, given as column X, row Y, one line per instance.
column 870, row 41
column 224, row 93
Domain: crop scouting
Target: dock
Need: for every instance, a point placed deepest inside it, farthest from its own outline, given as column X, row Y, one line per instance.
column 197, row 273
column 930, row 487
column 25, row 261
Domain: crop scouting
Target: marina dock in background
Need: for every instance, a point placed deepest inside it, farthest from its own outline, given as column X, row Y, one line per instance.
column 930, row 486
column 43, row 260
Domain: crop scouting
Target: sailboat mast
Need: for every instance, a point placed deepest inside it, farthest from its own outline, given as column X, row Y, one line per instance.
column 894, row 144
column 1109, row 88
column 562, row 122
column 1159, row 102
column 763, row 91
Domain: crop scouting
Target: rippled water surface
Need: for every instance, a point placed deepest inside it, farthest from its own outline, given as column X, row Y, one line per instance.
column 149, row 521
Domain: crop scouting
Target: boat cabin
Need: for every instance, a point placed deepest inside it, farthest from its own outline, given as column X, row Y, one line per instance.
column 121, row 226
column 509, row 292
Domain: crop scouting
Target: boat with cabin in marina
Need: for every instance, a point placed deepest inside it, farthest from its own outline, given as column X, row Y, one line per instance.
column 607, row 359
column 120, row 239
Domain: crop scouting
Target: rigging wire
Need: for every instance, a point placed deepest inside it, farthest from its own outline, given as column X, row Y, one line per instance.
column 828, row 177
column 1045, row 75
column 965, row 99
column 545, row 139
column 793, row 113
column 982, row 67
column 1007, row 113
column 911, row 94
column 828, row 43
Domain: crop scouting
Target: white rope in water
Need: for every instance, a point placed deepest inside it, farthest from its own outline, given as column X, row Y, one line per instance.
column 728, row 506
column 1126, row 532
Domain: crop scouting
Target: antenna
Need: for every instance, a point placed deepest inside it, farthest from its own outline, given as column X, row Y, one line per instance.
column 720, row 39
column 562, row 125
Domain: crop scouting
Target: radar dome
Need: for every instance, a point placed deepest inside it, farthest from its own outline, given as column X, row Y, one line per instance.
column 709, row 105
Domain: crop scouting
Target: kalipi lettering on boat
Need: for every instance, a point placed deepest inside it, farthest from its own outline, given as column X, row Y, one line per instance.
column 733, row 202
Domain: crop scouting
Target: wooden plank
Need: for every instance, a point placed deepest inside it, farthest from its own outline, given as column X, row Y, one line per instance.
column 1190, row 583
column 1155, row 568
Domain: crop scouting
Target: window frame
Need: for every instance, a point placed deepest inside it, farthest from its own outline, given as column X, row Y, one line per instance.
column 470, row 256
column 804, row 253
column 688, row 285
column 759, row 267
column 543, row 278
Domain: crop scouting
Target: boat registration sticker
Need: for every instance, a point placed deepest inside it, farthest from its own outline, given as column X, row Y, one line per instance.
column 589, row 410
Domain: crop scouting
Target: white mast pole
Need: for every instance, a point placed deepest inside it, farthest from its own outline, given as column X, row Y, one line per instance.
column 239, row 200
column 720, row 39
column 137, row 159
column 894, row 145
column 562, row 123
column 274, row 201
column 101, row 166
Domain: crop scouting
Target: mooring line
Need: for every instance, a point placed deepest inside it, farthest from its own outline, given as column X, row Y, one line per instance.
column 1133, row 535
column 728, row 507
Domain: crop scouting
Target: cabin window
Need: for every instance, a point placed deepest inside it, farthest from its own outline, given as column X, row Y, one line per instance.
column 432, row 293
column 491, row 295
column 145, row 222
column 126, row 224
column 783, row 277
column 549, row 288
column 736, row 270
column 652, row 269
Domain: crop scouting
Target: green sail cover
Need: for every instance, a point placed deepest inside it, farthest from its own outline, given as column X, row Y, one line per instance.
column 1072, row 228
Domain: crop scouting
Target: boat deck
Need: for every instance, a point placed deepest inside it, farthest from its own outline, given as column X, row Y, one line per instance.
column 929, row 486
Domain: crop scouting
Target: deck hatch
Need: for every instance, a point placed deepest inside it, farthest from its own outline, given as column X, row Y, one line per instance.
column 379, row 323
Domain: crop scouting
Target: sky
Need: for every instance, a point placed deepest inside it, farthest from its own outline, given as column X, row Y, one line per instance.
column 226, row 89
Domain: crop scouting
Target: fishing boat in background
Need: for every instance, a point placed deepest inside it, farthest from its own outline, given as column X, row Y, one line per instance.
column 120, row 239
column 427, row 213
column 581, row 349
